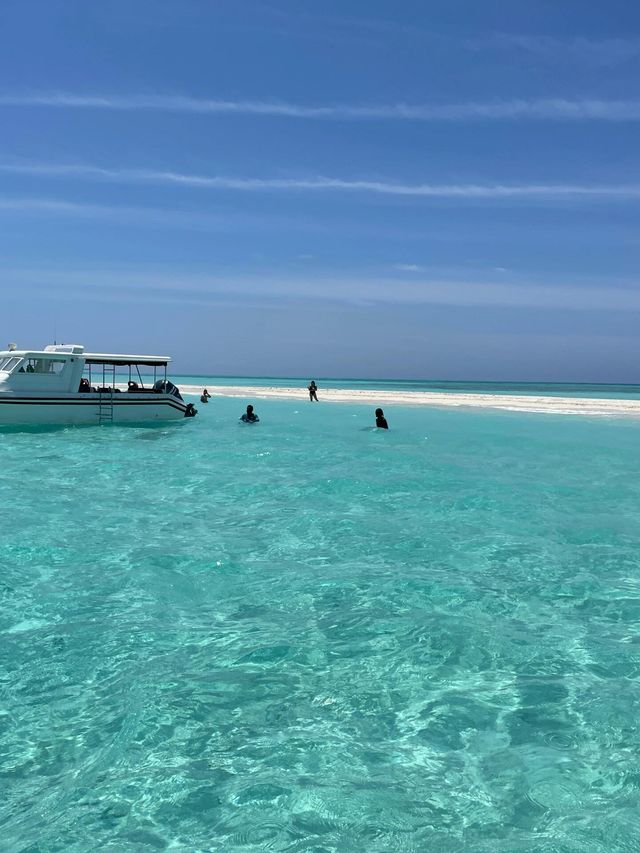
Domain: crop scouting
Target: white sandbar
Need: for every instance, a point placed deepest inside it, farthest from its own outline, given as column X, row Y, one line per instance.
column 547, row 405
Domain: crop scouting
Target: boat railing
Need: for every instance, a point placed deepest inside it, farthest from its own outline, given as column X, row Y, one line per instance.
column 96, row 374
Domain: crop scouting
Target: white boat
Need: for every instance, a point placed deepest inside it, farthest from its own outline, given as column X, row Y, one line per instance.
column 63, row 384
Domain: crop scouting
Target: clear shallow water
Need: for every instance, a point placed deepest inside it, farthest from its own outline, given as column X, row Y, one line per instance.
column 308, row 636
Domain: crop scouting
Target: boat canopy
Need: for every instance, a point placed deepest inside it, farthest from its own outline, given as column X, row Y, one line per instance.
column 108, row 358
column 69, row 351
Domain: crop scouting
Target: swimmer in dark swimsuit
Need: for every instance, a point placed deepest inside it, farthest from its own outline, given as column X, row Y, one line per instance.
column 313, row 391
column 381, row 421
column 249, row 417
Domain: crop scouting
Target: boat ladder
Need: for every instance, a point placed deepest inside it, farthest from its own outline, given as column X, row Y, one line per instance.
column 105, row 400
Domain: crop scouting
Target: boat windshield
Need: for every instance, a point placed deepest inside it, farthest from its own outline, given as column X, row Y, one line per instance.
column 7, row 364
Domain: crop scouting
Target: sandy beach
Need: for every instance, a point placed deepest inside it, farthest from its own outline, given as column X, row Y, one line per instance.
column 592, row 407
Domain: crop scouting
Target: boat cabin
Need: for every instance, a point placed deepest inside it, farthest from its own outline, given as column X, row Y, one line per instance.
column 67, row 369
column 54, row 369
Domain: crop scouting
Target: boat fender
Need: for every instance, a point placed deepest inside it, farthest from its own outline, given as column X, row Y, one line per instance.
column 190, row 411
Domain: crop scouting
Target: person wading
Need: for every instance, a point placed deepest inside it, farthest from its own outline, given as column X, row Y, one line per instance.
column 381, row 421
column 249, row 416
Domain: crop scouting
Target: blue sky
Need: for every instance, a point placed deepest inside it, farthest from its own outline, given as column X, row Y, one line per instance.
column 416, row 189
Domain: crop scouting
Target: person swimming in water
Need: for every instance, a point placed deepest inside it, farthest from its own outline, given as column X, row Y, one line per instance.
column 205, row 396
column 313, row 391
column 249, row 416
column 381, row 421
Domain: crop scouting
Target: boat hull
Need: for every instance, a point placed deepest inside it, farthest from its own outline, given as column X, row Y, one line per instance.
column 22, row 409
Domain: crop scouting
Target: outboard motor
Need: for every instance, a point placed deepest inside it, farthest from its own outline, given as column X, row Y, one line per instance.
column 163, row 386
column 190, row 411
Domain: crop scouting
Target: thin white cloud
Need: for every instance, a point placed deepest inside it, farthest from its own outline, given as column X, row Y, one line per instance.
column 558, row 109
column 45, row 205
column 547, row 192
column 598, row 52
column 408, row 267
column 180, row 286
column 121, row 214
column 154, row 217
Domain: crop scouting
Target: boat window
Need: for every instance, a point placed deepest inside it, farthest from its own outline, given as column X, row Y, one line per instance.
column 7, row 364
column 48, row 366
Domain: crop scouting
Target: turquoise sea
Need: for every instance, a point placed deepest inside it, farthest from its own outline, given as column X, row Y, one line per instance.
column 307, row 635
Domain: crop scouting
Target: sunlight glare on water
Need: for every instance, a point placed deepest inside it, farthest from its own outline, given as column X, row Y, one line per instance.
column 307, row 635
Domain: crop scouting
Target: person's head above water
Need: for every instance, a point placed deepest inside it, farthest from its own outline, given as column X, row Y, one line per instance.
column 250, row 416
column 379, row 413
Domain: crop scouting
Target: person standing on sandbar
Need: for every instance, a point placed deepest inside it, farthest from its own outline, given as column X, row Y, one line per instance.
column 313, row 391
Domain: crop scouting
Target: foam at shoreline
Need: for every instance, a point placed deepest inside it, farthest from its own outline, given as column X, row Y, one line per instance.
column 544, row 405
